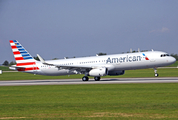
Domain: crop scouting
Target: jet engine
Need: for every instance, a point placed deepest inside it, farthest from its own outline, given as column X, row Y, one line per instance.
column 98, row 72
column 112, row 73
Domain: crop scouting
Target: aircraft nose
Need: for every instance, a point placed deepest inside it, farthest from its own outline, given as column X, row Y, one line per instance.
column 172, row 60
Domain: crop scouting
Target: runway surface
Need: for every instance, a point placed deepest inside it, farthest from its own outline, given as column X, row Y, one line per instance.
column 79, row 81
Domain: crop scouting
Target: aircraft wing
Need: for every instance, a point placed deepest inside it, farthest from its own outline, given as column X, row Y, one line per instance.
column 68, row 67
column 78, row 68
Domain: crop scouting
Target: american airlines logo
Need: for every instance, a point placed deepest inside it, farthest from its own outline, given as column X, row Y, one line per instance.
column 146, row 58
column 126, row 59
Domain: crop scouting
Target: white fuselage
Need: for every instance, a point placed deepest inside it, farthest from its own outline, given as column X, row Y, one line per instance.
column 116, row 62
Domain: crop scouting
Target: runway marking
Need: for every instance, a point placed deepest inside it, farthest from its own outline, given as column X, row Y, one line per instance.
column 79, row 81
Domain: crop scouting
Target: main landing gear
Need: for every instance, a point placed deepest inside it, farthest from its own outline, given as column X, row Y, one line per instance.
column 97, row 78
column 85, row 78
column 156, row 74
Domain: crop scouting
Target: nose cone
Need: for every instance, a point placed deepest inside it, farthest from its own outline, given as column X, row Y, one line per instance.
column 172, row 60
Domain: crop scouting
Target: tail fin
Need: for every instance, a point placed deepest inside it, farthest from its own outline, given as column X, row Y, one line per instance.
column 23, row 59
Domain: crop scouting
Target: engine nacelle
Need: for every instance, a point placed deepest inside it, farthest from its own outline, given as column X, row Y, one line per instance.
column 119, row 72
column 98, row 72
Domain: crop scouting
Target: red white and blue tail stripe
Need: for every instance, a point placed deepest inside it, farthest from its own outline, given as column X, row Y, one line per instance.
column 25, row 62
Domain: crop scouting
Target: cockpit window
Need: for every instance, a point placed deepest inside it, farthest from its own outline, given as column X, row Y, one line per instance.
column 164, row 55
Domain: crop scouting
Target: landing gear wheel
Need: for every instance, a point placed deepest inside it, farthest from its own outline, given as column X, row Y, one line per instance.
column 97, row 78
column 156, row 74
column 85, row 78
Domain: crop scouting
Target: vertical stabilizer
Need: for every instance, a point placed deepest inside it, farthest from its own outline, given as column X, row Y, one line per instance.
column 24, row 60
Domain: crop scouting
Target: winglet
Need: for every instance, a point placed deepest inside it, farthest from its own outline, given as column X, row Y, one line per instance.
column 41, row 59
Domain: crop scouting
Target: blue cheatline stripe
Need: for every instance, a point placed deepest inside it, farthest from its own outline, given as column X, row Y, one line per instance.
column 26, row 55
column 23, row 52
column 21, row 49
column 19, row 46
column 25, row 58
column 15, row 40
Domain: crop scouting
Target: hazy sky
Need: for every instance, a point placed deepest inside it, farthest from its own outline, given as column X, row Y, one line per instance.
column 68, row 28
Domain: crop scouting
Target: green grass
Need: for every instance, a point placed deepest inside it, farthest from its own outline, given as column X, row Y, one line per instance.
column 173, row 72
column 4, row 68
column 113, row 101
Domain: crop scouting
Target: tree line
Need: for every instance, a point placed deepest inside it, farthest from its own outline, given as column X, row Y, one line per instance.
column 175, row 56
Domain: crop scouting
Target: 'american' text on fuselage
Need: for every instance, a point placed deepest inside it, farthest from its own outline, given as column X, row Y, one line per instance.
column 123, row 59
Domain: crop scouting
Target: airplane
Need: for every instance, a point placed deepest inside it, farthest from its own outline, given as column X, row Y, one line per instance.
column 96, row 66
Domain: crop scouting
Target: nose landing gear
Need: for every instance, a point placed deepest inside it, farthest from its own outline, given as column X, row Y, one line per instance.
column 156, row 74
